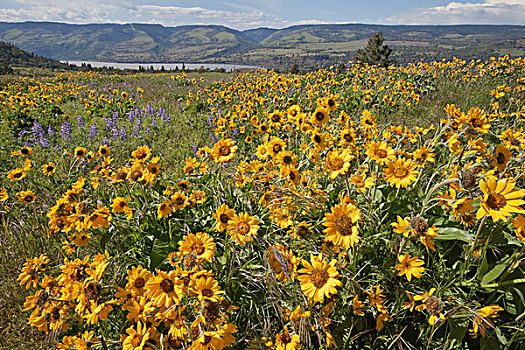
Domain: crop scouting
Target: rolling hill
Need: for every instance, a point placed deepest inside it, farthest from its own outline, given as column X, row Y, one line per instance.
column 12, row 56
column 305, row 45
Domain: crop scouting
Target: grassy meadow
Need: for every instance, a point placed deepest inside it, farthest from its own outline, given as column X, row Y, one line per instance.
column 356, row 208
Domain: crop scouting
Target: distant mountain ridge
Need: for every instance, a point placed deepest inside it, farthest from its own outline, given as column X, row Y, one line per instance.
column 306, row 45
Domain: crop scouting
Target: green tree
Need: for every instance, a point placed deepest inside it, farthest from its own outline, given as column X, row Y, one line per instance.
column 375, row 53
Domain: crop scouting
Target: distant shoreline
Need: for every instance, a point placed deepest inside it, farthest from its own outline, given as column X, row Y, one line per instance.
column 158, row 66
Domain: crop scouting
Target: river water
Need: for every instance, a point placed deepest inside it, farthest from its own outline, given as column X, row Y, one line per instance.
column 157, row 66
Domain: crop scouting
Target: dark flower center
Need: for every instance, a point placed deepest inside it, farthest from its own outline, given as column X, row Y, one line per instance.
column 139, row 282
column 433, row 305
column 285, row 338
column 343, row 225
column 60, row 223
column 175, row 343
column 381, row 153
column 55, row 313
column 496, row 201
column 476, row 123
column 207, row 292
column 319, row 277
column 500, row 158
column 337, row 163
column 198, row 248
column 301, row 230
column 468, row 179
column 137, row 174
column 92, row 290
column 224, row 150
column 121, row 175
column 224, row 218
column 154, row 169
column 167, row 285
column 419, row 224
column 400, row 172
column 319, row 116
column 207, row 340
column 211, row 312
column 244, row 229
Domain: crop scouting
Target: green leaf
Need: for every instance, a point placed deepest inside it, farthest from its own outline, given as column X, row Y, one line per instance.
column 457, row 331
column 494, row 273
column 453, row 234
column 157, row 256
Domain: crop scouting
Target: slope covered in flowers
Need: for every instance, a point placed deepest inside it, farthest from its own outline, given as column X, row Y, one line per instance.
column 302, row 217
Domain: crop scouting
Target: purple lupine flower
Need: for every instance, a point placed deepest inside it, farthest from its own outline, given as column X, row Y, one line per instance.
column 210, row 121
column 44, row 142
column 38, row 134
column 195, row 149
column 147, row 131
column 138, row 126
column 254, row 156
column 123, row 133
column 65, row 130
column 93, row 131
column 154, row 122
column 80, row 123
column 213, row 137
column 50, row 131
column 115, row 134
column 105, row 141
column 235, row 132
column 37, row 129
column 131, row 116
column 180, row 107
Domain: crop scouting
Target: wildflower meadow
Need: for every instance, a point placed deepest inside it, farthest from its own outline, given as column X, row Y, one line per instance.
column 355, row 208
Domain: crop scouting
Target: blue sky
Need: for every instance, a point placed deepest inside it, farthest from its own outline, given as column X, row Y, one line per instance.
column 266, row 13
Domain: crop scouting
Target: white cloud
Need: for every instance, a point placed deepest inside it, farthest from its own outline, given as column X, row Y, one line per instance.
column 128, row 11
column 484, row 12
column 175, row 15
column 69, row 11
column 116, row 11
